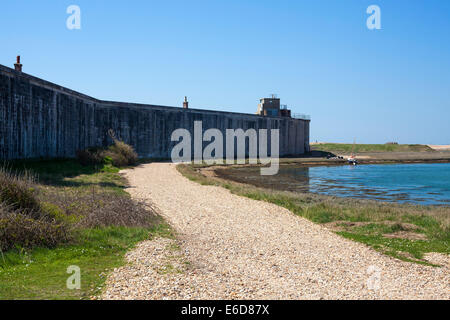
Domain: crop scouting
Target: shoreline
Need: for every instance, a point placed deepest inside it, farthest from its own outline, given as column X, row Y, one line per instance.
column 402, row 230
column 270, row 184
column 225, row 172
column 313, row 161
column 321, row 158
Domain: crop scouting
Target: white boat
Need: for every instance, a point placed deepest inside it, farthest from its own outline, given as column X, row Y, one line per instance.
column 352, row 159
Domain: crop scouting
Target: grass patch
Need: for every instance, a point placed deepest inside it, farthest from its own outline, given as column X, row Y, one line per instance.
column 403, row 249
column 41, row 273
column 361, row 148
column 370, row 222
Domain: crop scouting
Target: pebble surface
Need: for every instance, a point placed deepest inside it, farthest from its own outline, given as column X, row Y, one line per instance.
column 232, row 247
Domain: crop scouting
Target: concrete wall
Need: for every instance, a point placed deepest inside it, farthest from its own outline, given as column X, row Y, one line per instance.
column 39, row 119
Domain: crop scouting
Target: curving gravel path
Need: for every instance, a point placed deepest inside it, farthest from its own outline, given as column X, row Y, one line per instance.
column 231, row 247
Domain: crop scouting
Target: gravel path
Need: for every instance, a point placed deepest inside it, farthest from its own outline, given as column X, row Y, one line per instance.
column 231, row 247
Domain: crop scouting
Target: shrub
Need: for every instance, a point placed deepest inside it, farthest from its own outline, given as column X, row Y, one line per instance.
column 101, row 210
column 18, row 191
column 51, row 211
column 24, row 220
column 116, row 211
column 20, row 230
column 118, row 154
column 117, row 159
column 91, row 156
column 125, row 150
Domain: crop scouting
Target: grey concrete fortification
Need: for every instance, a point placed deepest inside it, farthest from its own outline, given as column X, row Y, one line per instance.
column 39, row 119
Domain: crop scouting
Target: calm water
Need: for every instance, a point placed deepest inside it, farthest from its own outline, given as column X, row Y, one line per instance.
column 414, row 183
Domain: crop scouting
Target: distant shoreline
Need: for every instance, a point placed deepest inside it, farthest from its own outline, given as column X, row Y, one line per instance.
column 437, row 147
column 442, row 147
column 382, row 158
column 330, row 153
column 315, row 160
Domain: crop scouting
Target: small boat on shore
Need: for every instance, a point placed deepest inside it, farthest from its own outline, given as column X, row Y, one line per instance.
column 352, row 160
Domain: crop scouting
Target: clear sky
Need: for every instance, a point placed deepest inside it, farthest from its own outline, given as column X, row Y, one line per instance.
column 320, row 58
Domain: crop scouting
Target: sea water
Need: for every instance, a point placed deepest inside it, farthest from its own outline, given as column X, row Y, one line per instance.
column 412, row 183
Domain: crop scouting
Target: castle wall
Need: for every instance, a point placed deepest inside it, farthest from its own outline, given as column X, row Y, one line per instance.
column 39, row 119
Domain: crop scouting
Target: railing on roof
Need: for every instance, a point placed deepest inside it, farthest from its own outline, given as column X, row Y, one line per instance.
column 301, row 116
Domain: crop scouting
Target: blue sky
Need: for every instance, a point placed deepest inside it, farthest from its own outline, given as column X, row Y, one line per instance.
column 376, row 86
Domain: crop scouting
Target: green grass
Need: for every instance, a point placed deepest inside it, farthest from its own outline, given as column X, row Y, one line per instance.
column 40, row 273
column 69, row 173
column 403, row 249
column 368, row 222
column 361, row 148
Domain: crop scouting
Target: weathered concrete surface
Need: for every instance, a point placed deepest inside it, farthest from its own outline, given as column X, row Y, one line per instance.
column 39, row 119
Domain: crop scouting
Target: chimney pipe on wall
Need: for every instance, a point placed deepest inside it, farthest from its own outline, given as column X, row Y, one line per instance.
column 185, row 103
column 18, row 65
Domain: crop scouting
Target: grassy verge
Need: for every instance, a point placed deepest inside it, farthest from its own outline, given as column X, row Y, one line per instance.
column 361, row 148
column 113, row 224
column 405, row 232
column 41, row 272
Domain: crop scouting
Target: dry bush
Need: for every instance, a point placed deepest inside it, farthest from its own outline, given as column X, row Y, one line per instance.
column 110, row 210
column 91, row 156
column 20, row 230
column 125, row 150
column 116, row 159
column 24, row 222
column 19, row 191
column 119, row 154
column 103, row 209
